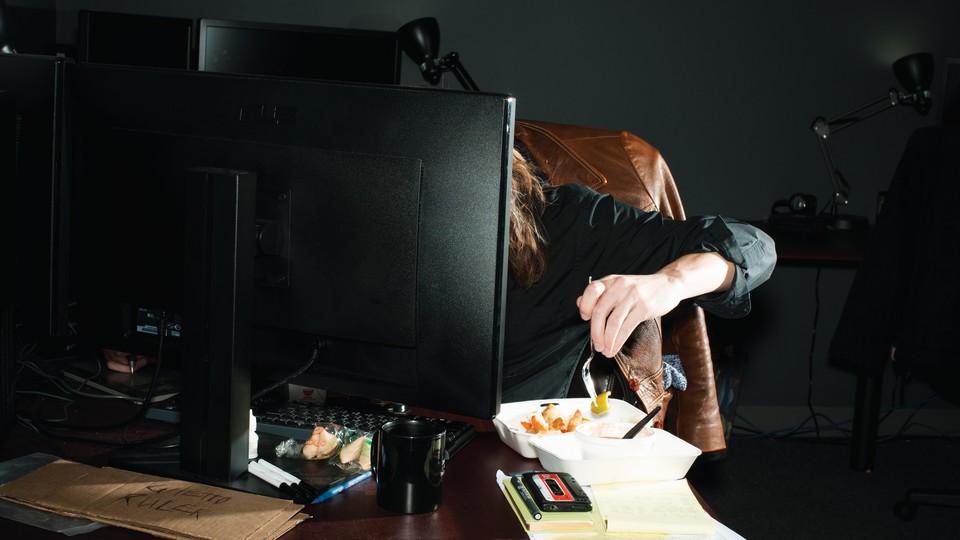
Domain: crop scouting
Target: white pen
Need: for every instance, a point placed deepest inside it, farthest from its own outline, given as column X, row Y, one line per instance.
column 290, row 478
column 305, row 490
column 265, row 474
column 299, row 491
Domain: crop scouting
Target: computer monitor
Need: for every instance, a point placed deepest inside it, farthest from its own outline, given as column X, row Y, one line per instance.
column 381, row 226
column 353, row 55
column 135, row 40
column 8, row 174
column 8, row 260
column 39, row 89
column 949, row 98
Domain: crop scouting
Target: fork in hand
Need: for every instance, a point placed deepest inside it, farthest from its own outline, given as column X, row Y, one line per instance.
column 585, row 371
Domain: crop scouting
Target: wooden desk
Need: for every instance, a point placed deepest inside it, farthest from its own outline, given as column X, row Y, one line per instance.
column 472, row 505
column 471, row 497
column 821, row 248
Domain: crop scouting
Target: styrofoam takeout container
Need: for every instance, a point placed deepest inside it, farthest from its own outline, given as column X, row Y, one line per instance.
column 669, row 459
column 604, row 439
column 513, row 435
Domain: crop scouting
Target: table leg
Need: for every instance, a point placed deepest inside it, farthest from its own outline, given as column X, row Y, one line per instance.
column 866, row 417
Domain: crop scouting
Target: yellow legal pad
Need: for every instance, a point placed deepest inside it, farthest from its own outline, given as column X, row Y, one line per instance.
column 665, row 507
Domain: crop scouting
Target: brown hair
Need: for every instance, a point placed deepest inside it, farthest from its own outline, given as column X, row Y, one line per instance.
column 528, row 259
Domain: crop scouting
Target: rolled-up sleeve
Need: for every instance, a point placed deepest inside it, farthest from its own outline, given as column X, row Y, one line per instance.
column 754, row 257
column 622, row 239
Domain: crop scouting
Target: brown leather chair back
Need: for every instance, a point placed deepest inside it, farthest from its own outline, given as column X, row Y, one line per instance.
column 631, row 170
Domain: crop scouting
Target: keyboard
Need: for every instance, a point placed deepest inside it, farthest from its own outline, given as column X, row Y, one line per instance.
column 297, row 420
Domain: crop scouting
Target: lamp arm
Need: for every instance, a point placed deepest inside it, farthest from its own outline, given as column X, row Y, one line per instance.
column 891, row 99
column 841, row 189
column 824, row 128
column 451, row 62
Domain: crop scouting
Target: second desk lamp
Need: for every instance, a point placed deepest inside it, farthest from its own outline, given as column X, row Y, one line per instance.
column 915, row 73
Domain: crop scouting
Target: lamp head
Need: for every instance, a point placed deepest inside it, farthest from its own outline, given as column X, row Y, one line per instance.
column 915, row 73
column 420, row 40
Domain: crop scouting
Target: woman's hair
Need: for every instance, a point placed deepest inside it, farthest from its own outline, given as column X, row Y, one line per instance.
column 528, row 259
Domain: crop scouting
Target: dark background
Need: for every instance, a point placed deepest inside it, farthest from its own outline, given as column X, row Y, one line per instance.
column 726, row 91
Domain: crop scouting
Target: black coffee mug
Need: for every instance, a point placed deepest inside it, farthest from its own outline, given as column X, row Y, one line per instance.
column 409, row 460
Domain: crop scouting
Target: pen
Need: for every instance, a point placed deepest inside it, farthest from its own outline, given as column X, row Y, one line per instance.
column 133, row 363
column 291, row 479
column 269, row 477
column 527, row 500
column 349, row 482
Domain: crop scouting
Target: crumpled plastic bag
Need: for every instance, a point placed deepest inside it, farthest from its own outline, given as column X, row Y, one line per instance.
column 345, row 447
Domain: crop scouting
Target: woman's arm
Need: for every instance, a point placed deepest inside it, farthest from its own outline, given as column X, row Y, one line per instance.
column 616, row 304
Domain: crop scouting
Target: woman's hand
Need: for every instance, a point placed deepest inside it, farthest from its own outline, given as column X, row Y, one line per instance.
column 615, row 305
column 120, row 361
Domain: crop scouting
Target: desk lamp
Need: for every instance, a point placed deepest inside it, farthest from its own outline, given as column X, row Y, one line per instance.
column 914, row 72
column 420, row 40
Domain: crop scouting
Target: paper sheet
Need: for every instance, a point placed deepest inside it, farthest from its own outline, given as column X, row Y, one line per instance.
column 667, row 507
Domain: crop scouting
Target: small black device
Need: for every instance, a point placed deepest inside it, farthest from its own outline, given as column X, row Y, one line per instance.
column 798, row 204
column 556, row 492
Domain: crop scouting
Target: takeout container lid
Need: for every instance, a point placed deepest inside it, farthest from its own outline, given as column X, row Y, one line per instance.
column 669, row 459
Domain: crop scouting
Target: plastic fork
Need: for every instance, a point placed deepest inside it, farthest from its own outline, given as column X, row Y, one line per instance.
column 585, row 371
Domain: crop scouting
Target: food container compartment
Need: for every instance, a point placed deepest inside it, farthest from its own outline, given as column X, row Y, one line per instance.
column 603, row 439
column 513, row 435
column 669, row 459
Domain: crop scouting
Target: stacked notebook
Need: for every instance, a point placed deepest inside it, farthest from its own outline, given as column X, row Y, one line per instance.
column 550, row 521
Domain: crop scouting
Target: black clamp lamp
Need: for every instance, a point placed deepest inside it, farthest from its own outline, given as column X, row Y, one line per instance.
column 420, row 40
column 914, row 72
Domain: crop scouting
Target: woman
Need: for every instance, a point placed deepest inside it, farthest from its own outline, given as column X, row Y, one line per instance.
column 576, row 256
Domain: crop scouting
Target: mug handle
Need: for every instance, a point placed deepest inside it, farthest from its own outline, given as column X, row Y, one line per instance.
column 375, row 451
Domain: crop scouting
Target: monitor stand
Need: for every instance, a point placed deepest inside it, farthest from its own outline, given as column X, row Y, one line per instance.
column 220, row 227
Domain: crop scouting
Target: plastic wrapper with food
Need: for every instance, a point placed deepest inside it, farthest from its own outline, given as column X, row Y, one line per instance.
column 347, row 448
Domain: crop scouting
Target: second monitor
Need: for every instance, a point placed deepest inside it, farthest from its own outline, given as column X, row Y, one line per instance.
column 363, row 56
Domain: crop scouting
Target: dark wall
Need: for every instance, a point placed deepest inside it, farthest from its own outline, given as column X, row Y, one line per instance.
column 726, row 91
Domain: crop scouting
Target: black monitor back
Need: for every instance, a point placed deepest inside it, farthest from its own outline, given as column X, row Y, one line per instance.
column 363, row 56
column 390, row 204
column 7, row 286
column 949, row 98
column 135, row 40
column 39, row 87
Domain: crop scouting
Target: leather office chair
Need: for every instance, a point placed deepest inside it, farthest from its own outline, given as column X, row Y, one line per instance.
column 628, row 168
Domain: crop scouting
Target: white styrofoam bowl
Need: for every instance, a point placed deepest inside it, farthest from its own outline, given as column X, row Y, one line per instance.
column 601, row 439
column 511, row 414
column 669, row 459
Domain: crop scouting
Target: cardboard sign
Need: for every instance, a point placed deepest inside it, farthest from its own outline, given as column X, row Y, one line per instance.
column 156, row 505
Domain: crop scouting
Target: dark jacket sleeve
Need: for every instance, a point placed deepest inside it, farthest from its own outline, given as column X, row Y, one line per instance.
column 621, row 239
